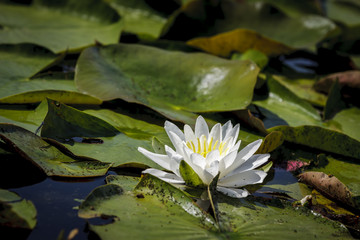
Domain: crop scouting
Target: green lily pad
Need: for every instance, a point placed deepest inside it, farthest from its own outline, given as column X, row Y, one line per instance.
column 347, row 121
column 159, row 209
column 199, row 18
column 139, row 18
column 239, row 40
column 47, row 157
column 66, row 26
column 256, row 218
column 321, row 138
column 287, row 106
column 16, row 212
column 303, row 88
column 89, row 136
column 346, row 171
column 173, row 83
column 18, row 65
column 63, row 122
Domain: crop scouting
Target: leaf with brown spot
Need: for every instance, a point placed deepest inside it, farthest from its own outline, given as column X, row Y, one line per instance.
column 330, row 186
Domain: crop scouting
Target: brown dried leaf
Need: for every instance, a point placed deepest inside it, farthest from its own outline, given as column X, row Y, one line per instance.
column 328, row 185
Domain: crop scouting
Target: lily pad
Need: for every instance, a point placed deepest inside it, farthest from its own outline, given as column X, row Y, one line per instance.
column 286, row 105
column 304, row 89
column 16, row 212
column 257, row 218
column 65, row 26
column 199, row 18
column 239, row 40
column 89, row 136
column 157, row 208
column 139, row 18
column 321, row 138
column 18, row 65
column 346, row 172
column 347, row 121
column 47, row 157
column 173, row 83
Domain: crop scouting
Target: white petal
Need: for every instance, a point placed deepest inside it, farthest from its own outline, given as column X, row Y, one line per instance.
column 198, row 160
column 201, row 128
column 249, row 150
column 189, row 133
column 173, row 155
column 244, row 155
column 215, row 133
column 170, row 127
column 212, row 156
column 177, row 142
column 163, row 160
column 234, row 133
column 242, row 178
column 253, row 162
column 226, row 128
column 204, row 175
column 213, row 169
column 228, row 160
column 235, row 147
column 233, row 192
column 167, row 177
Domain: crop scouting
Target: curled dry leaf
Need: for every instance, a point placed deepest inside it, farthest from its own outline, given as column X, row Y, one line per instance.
column 349, row 83
column 328, row 185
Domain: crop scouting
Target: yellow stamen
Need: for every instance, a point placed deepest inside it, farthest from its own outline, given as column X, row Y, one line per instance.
column 199, row 146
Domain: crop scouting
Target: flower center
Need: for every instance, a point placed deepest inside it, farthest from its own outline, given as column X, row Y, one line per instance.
column 204, row 146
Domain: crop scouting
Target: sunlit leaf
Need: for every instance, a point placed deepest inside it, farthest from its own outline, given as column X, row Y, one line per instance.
column 157, row 208
column 65, row 26
column 173, row 83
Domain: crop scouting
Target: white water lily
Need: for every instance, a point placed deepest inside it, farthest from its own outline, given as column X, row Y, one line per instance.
column 210, row 153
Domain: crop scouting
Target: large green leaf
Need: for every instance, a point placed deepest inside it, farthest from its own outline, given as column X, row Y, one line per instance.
column 163, row 211
column 200, row 18
column 47, row 157
column 16, row 212
column 321, row 138
column 253, row 218
column 18, row 65
column 138, row 17
column 59, row 26
column 173, row 83
column 159, row 209
column 90, row 136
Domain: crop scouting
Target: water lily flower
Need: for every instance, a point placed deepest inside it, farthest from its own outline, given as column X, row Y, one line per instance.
column 210, row 153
